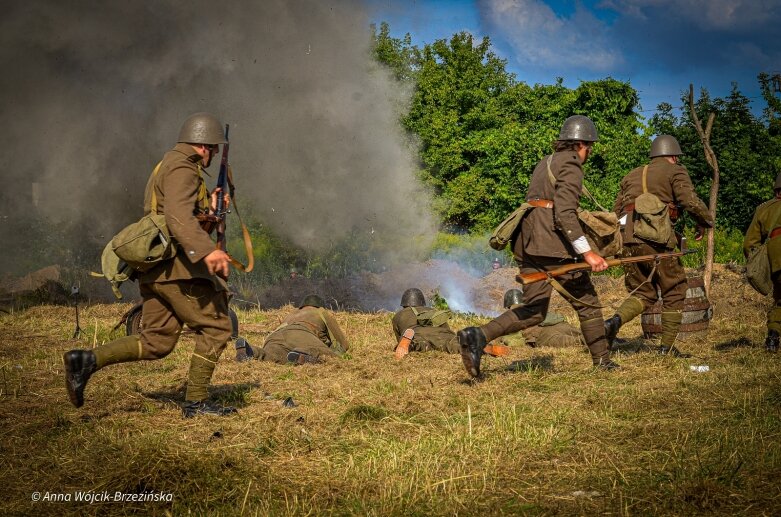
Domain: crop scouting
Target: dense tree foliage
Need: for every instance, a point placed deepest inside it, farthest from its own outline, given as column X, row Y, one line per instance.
column 481, row 132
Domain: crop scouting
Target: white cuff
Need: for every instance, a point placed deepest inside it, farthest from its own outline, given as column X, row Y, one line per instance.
column 581, row 245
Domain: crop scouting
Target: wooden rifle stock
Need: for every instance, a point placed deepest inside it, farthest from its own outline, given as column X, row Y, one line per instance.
column 539, row 276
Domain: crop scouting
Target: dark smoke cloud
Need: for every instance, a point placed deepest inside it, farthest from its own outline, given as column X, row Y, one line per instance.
column 93, row 93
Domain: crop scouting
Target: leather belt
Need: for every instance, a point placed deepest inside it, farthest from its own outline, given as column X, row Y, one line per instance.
column 541, row 203
column 775, row 233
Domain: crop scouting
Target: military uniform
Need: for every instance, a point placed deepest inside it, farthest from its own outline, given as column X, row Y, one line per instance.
column 545, row 243
column 177, row 291
column 554, row 331
column 427, row 337
column 672, row 185
column 769, row 214
column 312, row 331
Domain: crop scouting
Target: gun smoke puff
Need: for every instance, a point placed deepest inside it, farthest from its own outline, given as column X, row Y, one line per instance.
column 100, row 89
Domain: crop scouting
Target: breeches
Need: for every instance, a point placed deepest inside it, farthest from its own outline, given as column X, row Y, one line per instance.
column 195, row 303
column 278, row 344
column 536, row 299
column 669, row 277
column 774, row 314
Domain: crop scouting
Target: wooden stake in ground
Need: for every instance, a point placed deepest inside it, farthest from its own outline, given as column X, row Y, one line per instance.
column 710, row 157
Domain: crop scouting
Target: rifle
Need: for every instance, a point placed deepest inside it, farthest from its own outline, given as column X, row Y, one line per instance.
column 530, row 278
column 222, row 182
column 225, row 183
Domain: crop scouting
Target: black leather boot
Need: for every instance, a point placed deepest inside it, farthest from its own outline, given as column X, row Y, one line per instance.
column 771, row 341
column 202, row 407
column 244, row 351
column 611, row 329
column 472, row 342
column 79, row 366
column 301, row 358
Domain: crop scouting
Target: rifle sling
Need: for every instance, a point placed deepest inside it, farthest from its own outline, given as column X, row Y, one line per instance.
column 569, row 296
column 244, row 232
column 560, row 288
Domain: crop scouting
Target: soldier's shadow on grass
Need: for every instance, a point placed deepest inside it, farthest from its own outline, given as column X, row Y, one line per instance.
column 236, row 395
column 538, row 363
column 741, row 342
column 631, row 346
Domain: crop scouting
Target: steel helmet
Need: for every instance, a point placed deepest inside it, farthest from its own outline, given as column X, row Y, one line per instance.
column 311, row 300
column 578, row 127
column 413, row 297
column 202, row 128
column 513, row 297
column 665, row 145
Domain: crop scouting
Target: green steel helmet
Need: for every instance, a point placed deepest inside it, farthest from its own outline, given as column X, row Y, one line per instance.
column 579, row 127
column 777, row 184
column 202, row 128
column 513, row 297
column 312, row 300
column 665, row 145
column 413, row 298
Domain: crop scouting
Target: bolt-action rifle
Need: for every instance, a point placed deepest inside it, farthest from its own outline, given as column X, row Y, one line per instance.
column 539, row 276
column 225, row 184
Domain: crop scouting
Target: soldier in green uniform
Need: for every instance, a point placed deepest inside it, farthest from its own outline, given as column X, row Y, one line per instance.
column 307, row 335
column 554, row 330
column 668, row 180
column 187, row 289
column 766, row 225
column 551, row 236
column 430, row 330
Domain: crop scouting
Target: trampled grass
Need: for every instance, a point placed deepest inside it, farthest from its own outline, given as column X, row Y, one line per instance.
column 540, row 434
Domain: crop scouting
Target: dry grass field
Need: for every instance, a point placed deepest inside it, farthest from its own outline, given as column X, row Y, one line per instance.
column 541, row 434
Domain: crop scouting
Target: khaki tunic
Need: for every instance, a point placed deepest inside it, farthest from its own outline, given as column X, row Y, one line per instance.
column 548, row 232
column 427, row 337
column 756, row 234
column 181, row 290
column 671, row 184
column 178, row 186
column 309, row 330
column 759, row 229
column 545, row 243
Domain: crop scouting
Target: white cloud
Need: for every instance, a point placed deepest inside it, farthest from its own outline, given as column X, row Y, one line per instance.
column 541, row 38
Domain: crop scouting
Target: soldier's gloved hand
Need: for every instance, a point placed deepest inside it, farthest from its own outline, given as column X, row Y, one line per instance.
column 596, row 262
column 699, row 232
column 217, row 262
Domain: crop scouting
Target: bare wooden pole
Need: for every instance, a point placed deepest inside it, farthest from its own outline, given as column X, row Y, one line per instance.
column 710, row 157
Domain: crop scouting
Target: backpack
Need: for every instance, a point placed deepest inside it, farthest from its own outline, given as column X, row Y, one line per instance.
column 431, row 317
column 144, row 243
column 114, row 269
column 651, row 216
column 758, row 270
column 508, row 230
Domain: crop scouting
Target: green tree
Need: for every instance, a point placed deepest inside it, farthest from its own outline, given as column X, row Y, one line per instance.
column 398, row 54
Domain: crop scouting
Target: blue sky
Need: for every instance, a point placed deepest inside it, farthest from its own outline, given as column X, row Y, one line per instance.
column 659, row 46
